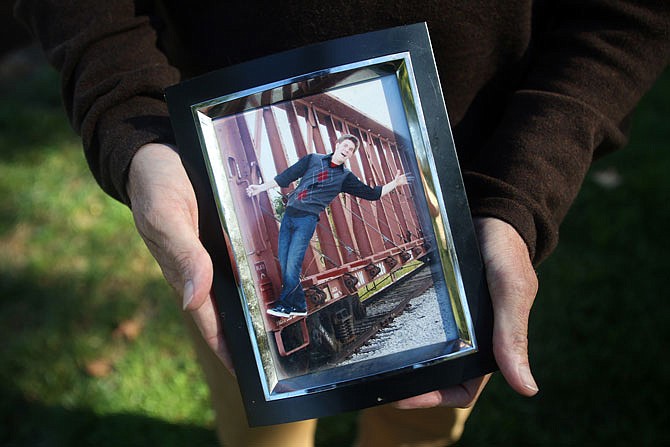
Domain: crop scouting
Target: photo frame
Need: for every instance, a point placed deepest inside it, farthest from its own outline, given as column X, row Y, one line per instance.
column 392, row 278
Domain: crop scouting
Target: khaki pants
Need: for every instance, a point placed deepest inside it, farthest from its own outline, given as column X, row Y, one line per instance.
column 382, row 426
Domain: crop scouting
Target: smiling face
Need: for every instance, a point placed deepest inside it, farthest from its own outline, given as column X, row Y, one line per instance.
column 344, row 150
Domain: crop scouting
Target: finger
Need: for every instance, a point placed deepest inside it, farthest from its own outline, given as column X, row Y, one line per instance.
column 466, row 394
column 207, row 321
column 513, row 285
column 460, row 396
column 194, row 264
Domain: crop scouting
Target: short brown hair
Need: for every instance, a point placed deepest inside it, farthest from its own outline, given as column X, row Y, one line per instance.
column 350, row 137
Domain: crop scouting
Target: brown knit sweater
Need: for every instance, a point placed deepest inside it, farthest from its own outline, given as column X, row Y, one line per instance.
column 534, row 89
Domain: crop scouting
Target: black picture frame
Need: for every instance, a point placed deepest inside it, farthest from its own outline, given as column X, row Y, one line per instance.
column 221, row 120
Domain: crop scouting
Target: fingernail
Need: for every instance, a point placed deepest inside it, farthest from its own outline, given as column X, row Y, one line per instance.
column 188, row 294
column 528, row 380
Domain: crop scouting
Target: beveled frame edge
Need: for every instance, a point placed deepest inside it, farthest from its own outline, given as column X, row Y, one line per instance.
column 414, row 40
column 421, row 152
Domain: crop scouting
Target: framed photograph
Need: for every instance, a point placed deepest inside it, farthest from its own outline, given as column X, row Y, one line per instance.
column 346, row 268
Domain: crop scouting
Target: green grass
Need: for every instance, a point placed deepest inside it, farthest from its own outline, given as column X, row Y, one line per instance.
column 386, row 279
column 72, row 270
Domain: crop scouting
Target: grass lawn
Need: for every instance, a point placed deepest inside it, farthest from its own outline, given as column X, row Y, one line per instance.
column 94, row 353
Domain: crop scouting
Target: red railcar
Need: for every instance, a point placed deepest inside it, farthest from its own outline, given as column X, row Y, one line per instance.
column 359, row 247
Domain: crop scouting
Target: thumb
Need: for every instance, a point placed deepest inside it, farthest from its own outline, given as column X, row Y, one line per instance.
column 170, row 232
column 165, row 213
column 196, row 272
column 174, row 243
column 510, row 343
column 513, row 285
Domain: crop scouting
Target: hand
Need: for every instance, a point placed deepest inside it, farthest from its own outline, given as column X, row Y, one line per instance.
column 166, row 216
column 253, row 190
column 400, row 179
column 513, row 285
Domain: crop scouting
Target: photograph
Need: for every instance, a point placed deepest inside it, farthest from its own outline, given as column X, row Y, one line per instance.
column 347, row 272
column 335, row 228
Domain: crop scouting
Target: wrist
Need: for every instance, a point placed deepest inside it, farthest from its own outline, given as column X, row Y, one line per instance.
column 145, row 156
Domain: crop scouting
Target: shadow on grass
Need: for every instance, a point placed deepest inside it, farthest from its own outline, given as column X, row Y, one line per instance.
column 31, row 423
column 53, row 327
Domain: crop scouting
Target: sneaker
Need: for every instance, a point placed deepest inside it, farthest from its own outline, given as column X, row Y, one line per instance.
column 295, row 312
column 279, row 311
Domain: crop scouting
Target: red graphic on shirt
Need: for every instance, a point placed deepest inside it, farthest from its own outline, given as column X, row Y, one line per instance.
column 322, row 176
column 302, row 195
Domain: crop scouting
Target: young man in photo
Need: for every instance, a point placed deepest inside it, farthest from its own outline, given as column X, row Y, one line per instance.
column 322, row 178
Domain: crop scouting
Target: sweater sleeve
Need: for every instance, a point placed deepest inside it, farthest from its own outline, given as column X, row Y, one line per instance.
column 352, row 185
column 112, row 79
column 586, row 73
column 293, row 172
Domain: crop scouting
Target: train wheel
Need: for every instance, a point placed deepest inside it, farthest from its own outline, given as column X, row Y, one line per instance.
column 323, row 344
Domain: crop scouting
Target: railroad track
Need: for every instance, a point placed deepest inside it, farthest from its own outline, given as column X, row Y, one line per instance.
column 382, row 309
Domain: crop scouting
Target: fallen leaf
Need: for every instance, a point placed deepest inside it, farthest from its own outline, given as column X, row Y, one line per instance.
column 129, row 329
column 99, row 368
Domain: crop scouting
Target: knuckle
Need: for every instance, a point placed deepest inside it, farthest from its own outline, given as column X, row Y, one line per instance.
column 519, row 342
column 524, row 288
column 182, row 261
column 519, row 290
column 510, row 352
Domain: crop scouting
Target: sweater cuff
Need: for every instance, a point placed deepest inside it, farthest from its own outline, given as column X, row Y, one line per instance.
column 119, row 135
column 490, row 197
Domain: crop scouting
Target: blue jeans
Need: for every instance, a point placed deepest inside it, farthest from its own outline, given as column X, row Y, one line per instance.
column 294, row 236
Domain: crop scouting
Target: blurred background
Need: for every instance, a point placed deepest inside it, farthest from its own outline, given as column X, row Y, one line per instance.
column 93, row 352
